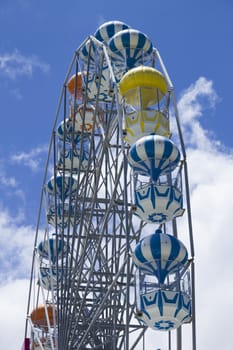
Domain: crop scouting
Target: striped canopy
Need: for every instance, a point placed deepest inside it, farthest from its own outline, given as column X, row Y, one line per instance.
column 160, row 254
column 52, row 249
column 109, row 29
column 153, row 156
column 130, row 46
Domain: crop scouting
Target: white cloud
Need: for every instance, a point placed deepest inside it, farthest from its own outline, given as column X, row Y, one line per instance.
column 16, row 241
column 13, row 304
column 14, row 65
column 32, row 159
column 210, row 176
column 199, row 97
column 7, row 181
column 212, row 206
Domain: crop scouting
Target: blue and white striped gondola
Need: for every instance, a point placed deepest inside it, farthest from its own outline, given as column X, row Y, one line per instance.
column 129, row 48
column 144, row 123
column 52, row 249
column 158, row 203
column 61, row 215
column 63, row 186
column 108, row 29
column 50, row 281
column 165, row 310
column 90, row 51
column 153, row 156
column 160, row 254
column 96, row 80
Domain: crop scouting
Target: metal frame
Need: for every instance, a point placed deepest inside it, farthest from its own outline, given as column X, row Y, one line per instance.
column 95, row 301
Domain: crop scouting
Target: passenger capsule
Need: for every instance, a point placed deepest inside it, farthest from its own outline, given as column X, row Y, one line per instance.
column 75, row 85
column 160, row 254
column 165, row 310
column 153, row 156
column 108, row 29
column 129, row 48
column 50, row 279
column 144, row 123
column 38, row 316
column 143, row 86
column 52, row 249
column 63, row 186
column 61, row 215
column 158, row 203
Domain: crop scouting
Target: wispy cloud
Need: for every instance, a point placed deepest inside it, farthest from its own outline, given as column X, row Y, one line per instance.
column 32, row 159
column 195, row 100
column 7, row 181
column 17, row 243
column 14, row 65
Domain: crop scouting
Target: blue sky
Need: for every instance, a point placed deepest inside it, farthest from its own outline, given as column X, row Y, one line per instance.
column 194, row 38
column 38, row 38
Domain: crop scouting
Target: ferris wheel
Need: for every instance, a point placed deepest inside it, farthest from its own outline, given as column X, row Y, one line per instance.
column 108, row 262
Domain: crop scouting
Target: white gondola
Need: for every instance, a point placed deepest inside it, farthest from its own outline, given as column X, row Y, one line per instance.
column 158, row 203
column 164, row 310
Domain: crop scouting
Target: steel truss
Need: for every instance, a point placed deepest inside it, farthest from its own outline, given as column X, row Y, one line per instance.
column 94, row 300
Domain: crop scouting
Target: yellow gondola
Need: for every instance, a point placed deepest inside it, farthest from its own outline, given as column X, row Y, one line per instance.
column 143, row 86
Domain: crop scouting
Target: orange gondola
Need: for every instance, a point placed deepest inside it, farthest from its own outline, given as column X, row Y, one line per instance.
column 38, row 316
column 75, row 85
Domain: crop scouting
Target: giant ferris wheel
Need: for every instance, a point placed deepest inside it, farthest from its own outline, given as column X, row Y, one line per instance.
column 109, row 269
